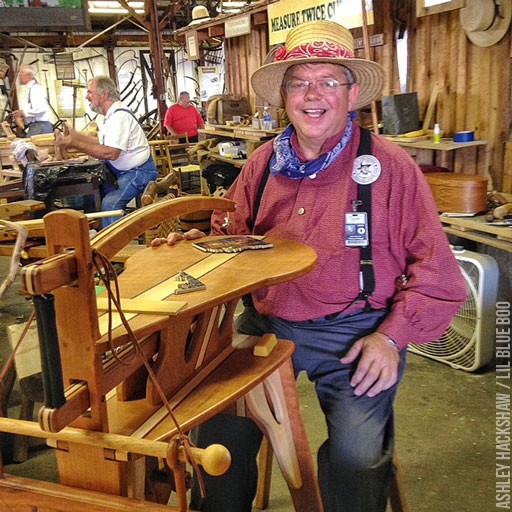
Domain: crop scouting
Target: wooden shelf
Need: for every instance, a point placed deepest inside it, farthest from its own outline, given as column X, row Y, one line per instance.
column 444, row 145
column 237, row 162
column 479, row 230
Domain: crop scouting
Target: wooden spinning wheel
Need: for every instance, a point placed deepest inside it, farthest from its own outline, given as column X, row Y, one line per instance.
column 104, row 414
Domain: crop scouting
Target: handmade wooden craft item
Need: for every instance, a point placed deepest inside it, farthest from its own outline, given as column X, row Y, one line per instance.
column 124, row 386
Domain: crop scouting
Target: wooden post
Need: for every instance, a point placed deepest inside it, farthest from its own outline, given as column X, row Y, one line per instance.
column 375, row 120
column 157, row 59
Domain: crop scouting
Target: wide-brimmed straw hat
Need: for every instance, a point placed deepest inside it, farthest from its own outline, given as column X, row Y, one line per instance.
column 486, row 21
column 200, row 14
column 317, row 42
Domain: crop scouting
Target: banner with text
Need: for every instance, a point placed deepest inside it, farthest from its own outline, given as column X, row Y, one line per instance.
column 284, row 15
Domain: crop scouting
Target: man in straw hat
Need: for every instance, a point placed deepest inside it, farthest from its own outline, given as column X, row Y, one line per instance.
column 385, row 274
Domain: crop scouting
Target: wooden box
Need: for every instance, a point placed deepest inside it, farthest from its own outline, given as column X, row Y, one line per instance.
column 458, row 193
column 227, row 108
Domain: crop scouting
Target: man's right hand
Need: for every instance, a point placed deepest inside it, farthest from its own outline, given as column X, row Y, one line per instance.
column 173, row 238
column 63, row 138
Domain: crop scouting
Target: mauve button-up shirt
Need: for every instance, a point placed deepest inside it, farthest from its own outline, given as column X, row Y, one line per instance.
column 407, row 240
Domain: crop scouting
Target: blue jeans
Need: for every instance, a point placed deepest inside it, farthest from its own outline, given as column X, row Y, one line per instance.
column 39, row 127
column 355, row 462
column 130, row 183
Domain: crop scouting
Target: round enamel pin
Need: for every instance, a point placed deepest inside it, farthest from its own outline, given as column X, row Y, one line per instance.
column 366, row 169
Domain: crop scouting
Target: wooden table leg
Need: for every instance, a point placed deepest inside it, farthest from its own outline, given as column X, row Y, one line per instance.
column 274, row 405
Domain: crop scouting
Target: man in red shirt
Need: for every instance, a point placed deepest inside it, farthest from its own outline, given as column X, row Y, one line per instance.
column 183, row 118
column 385, row 275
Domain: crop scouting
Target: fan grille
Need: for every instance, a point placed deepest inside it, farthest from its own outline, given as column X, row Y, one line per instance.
column 458, row 345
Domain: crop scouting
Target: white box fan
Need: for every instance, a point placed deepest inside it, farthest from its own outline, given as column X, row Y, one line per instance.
column 468, row 342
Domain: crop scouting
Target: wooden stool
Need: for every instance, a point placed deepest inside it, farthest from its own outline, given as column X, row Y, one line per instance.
column 397, row 498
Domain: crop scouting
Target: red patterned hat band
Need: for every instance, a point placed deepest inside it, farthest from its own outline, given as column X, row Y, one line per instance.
column 316, row 49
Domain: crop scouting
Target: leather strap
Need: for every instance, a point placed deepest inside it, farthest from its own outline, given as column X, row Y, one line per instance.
column 364, row 193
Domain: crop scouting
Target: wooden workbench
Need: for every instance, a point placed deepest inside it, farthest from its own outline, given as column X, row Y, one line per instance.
column 478, row 230
column 238, row 132
column 237, row 162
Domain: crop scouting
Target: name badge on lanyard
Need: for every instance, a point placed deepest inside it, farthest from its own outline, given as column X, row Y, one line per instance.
column 356, row 229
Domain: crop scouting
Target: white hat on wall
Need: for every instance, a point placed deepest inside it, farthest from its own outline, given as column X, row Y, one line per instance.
column 486, row 21
column 200, row 14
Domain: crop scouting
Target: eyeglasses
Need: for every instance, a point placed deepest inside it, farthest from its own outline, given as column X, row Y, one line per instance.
column 296, row 87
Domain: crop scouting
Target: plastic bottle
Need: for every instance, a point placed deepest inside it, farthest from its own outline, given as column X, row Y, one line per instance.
column 437, row 133
column 267, row 119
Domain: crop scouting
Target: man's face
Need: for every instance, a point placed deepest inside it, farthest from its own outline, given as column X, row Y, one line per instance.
column 25, row 77
column 95, row 99
column 184, row 101
column 318, row 115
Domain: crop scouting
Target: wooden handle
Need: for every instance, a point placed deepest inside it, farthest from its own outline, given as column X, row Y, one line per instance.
column 215, row 459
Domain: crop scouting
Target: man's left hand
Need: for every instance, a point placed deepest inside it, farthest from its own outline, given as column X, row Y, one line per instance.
column 377, row 368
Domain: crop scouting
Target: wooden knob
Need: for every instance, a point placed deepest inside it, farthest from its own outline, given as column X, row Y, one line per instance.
column 215, row 459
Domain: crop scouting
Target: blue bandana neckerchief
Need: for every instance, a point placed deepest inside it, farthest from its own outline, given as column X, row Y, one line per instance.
column 286, row 162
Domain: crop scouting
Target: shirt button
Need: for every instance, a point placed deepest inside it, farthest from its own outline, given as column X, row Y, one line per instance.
column 313, row 176
column 301, row 211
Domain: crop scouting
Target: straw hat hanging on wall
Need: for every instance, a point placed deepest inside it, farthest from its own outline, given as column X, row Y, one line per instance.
column 486, row 21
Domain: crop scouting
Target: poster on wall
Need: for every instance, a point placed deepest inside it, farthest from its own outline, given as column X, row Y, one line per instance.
column 285, row 15
column 70, row 99
column 210, row 81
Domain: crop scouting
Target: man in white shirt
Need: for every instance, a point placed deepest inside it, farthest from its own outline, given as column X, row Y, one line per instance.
column 121, row 144
column 36, row 109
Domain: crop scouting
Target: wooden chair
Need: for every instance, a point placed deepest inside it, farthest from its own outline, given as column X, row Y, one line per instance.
column 161, row 155
column 397, row 498
column 178, row 138
column 192, row 168
column 182, row 162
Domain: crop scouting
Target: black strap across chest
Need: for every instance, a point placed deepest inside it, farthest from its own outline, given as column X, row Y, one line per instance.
column 364, row 196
